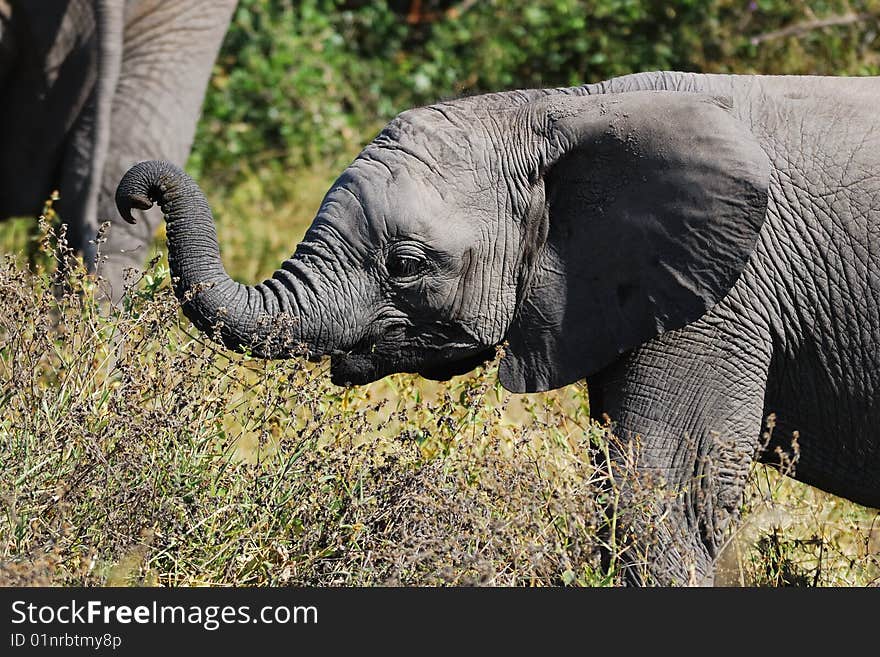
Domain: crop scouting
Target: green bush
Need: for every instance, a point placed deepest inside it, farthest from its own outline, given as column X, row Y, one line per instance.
column 290, row 83
column 308, row 81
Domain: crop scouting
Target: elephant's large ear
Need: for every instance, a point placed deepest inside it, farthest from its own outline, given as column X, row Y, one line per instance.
column 652, row 204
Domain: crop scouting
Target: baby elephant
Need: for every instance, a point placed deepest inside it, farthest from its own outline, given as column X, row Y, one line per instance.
column 704, row 250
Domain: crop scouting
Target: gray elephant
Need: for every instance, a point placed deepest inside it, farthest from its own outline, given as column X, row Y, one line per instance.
column 89, row 88
column 704, row 250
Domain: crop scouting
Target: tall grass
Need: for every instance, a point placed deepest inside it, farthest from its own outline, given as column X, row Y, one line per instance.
column 135, row 452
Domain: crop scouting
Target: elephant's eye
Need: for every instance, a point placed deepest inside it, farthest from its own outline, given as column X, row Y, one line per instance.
column 403, row 266
column 405, row 262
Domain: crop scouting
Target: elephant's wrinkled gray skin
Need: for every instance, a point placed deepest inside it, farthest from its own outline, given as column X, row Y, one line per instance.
column 704, row 250
column 89, row 88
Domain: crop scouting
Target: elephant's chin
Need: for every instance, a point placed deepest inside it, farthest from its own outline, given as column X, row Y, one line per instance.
column 448, row 369
column 356, row 369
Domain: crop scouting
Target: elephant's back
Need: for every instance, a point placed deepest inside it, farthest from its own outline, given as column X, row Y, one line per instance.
column 756, row 96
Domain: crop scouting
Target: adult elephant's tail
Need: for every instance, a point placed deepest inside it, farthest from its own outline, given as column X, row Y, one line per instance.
column 81, row 201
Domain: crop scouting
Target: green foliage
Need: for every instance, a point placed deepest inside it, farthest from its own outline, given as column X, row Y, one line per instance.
column 309, row 81
column 290, row 82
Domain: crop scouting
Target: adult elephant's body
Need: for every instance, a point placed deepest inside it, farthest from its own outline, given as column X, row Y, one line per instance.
column 704, row 250
column 91, row 87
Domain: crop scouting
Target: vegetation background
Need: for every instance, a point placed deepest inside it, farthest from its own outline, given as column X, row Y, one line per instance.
column 166, row 462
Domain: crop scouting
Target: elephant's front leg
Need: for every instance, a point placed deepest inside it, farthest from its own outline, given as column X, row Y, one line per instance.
column 169, row 52
column 686, row 411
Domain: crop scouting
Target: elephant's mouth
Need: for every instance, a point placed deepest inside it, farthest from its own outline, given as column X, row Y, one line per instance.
column 359, row 369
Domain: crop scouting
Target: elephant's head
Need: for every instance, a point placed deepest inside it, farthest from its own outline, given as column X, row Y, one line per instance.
column 572, row 227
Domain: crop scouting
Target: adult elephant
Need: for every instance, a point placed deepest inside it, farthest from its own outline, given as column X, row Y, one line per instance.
column 89, row 88
column 703, row 249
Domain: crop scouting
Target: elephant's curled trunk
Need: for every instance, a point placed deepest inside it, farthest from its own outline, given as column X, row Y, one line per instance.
column 264, row 319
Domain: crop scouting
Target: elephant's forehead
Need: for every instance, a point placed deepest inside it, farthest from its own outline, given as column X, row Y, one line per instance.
column 371, row 202
column 388, row 192
column 369, row 213
column 433, row 145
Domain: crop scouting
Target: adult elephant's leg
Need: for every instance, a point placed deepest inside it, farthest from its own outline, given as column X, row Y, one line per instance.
column 169, row 52
column 687, row 412
column 49, row 53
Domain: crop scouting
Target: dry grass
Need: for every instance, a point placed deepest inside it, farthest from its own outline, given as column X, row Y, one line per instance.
column 134, row 452
column 137, row 453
